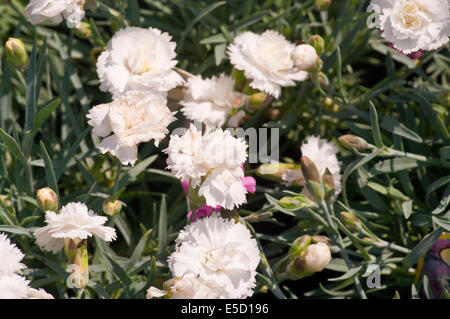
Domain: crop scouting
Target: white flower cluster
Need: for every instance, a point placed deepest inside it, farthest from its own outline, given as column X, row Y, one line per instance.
column 413, row 25
column 210, row 101
column 137, row 69
column 38, row 11
column 74, row 221
column 12, row 284
column 323, row 154
column 269, row 60
column 214, row 258
column 211, row 161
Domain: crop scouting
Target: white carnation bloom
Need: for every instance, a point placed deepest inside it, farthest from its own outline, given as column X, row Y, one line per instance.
column 209, row 100
column 186, row 288
column 413, row 25
column 10, row 257
column 13, row 287
column 212, row 161
column 38, row 11
column 75, row 221
column 133, row 118
column 217, row 250
column 323, row 154
column 38, row 294
column 267, row 60
column 138, row 59
column 185, row 156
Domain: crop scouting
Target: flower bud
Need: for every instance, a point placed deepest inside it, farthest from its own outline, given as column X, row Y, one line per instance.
column 351, row 221
column 316, row 257
column 47, row 199
column 306, row 58
column 323, row 5
column 112, row 206
column 84, row 30
column 299, row 246
column 312, row 178
column 323, row 80
column 309, row 170
column 352, row 141
column 259, row 101
column 77, row 257
column 328, row 183
column 296, row 202
column 274, row 171
column 318, row 43
column 15, row 52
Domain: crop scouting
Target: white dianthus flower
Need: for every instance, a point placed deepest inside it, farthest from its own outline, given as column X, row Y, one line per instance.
column 209, row 100
column 10, row 257
column 38, row 11
column 138, row 59
column 186, row 288
column 266, row 59
column 75, row 221
column 14, row 287
column 133, row 118
column 217, row 250
column 212, row 161
column 413, row 25
column 38, row 294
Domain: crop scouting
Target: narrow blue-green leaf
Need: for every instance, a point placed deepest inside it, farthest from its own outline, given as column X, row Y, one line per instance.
column 393, row 165
column 162, row 226
column 349, row 274
column 390, row 124
column 352, row 167
column 442, row 223
column 445, row 201
column 49, row 172
column 421, row 248
column 12, row 146
column 44, row 113
column 376, row 134
column 137, row 253
column 31, row 97
column 16, row 230
column 444, row 152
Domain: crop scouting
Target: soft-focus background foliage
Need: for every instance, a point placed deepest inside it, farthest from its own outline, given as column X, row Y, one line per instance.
column 401, row 199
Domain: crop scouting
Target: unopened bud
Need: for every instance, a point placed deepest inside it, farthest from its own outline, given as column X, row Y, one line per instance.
column 312, row 178
column 323, row 5
column 306, row 58
column 328, row 183
column 313, row 259
column 296, row 202
column 316, row 257
column 259, row 101
column 309, row 170
column 112, row 206
column 15, row 52
column 84, row 30
column 318, row 43
column 299, row 246
column 323, row 80
column 274, row 171
column 77, row 257
column 321, row 239
column 47, row 199
column 351, row 221
column 352, row 141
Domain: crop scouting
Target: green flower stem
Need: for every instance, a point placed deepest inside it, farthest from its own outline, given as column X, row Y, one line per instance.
column 336, row 237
